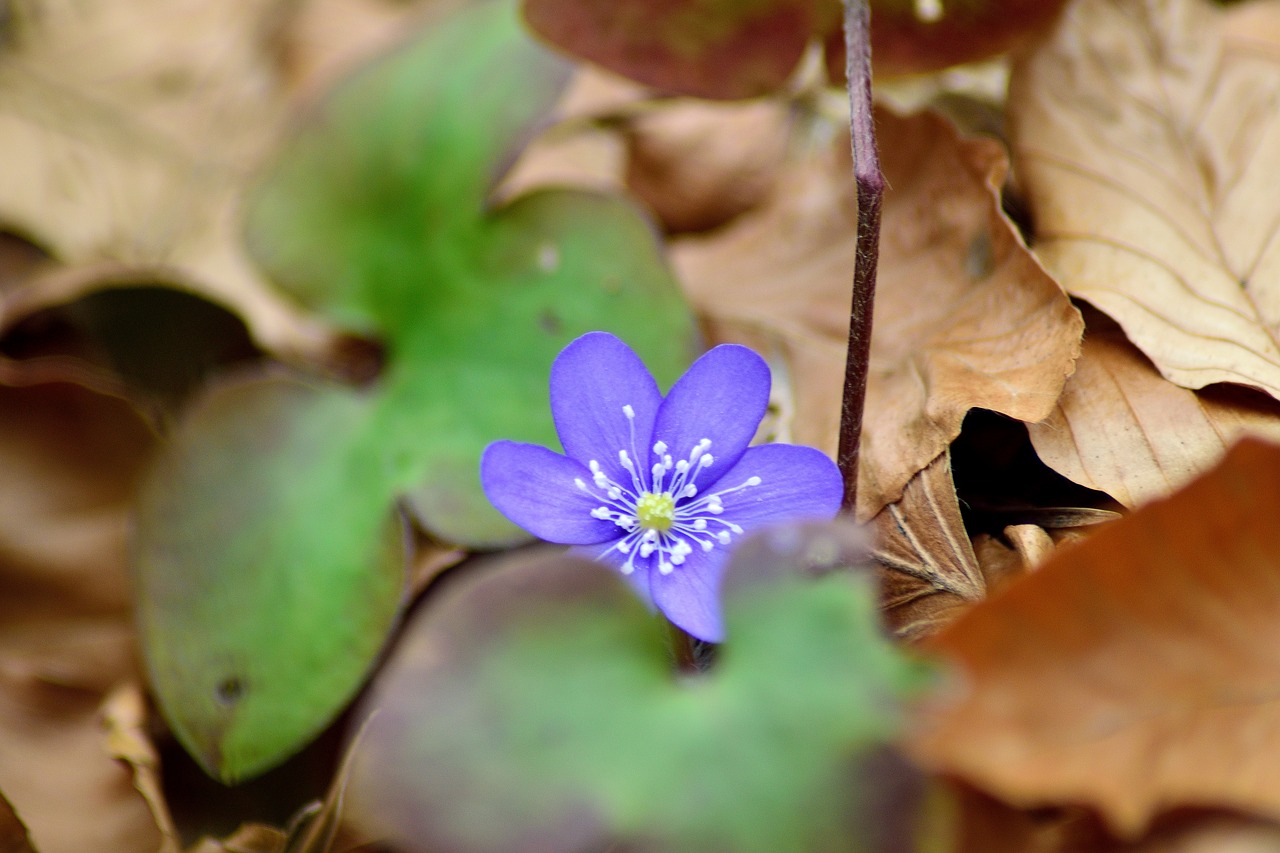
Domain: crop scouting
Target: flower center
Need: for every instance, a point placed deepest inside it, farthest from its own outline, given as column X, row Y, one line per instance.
column 662, row 513
column 656, row 511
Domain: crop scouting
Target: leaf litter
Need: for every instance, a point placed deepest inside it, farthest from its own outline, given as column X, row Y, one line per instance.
column 1111, row 695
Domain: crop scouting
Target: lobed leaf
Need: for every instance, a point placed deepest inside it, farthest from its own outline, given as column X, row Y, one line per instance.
column 533, row 706
column 269, row 552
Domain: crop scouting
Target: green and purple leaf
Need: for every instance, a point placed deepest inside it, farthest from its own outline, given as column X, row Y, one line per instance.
column 533, row 706
column 267, row 576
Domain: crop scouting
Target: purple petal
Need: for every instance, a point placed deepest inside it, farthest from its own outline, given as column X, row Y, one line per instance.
column 591, row 380
column 796, row 483
column 690, row 595
column 639, row 578
column 722, row 397
column 534, row 487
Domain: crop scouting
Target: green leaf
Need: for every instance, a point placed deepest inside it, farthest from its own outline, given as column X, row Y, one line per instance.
column 263, row 597
column 533, row 706
column 268, row 547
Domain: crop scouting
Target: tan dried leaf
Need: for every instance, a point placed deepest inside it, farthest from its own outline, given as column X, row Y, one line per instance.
column 928, row 571
column 129, row 131
column 964, row 318
column 1135, row 672
column 698, row 164
column 13, row 834
column 71, row 459
column 124, row 716
column 1123, row 429
column 1147, row 137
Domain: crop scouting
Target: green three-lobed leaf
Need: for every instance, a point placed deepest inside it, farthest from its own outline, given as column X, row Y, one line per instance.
column 269, row 558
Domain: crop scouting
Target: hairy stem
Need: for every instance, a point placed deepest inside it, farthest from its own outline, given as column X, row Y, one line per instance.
column 870, row 183
column 682, row 648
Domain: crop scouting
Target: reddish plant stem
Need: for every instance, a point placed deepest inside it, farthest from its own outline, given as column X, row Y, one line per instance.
column 870, row 184
column 682, row 649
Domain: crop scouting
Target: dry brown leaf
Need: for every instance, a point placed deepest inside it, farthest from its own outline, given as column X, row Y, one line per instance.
column 965, row 317
column 989, row 826
column 1147, row 137
column 928, row 571
column 1123, row 429
column 124, row 715
column 70, row 459
column 1031, row 542
column 249, row 838
column 584, row 146
column 1133, row 673
column 129, row 131
column 13, row 834
column 698, row 164
column 318, row 41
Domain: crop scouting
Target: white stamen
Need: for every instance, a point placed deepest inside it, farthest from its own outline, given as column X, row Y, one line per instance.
column 691, row 520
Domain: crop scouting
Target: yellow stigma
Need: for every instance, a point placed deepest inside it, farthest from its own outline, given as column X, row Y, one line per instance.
column 656, row 511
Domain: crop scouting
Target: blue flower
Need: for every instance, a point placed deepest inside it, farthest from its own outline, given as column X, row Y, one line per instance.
column 658, row 488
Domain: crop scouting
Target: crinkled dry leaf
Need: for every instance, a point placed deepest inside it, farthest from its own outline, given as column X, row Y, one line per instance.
column 129, row 130
column 1147, row 137
column 318, row 41
column 1135, row 672
column 70, row 459
column 124, row 716
column 1123, row 429
column 249, row 838
column 698, row 164
column 928, row 570
column 13, row 834
column 965, row 317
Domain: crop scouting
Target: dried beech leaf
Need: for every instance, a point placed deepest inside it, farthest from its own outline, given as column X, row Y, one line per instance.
column 129, row 131
column 1031, row 542
column 698, row 164
column 927, row 566
column 965, row 317
column 1147, row 136
column 71, row 460
column 13, row 834
column 1135, row 672
column 124, row 716
column 249, row 838
column 1123, row 429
